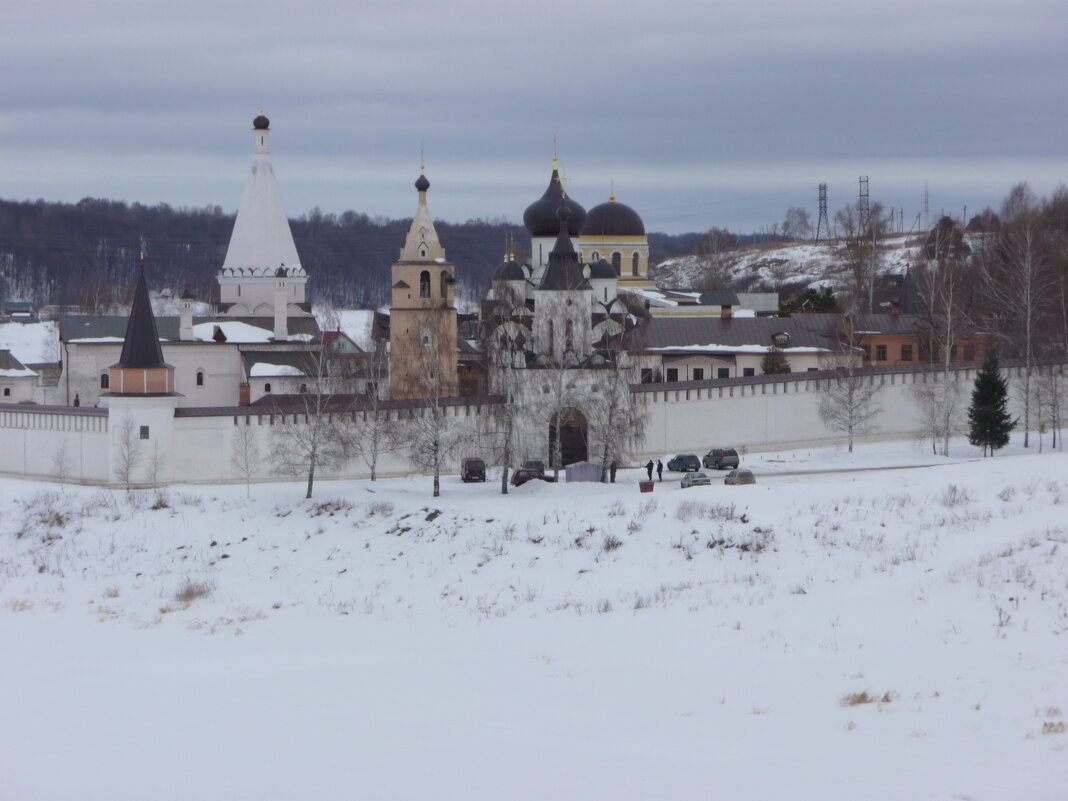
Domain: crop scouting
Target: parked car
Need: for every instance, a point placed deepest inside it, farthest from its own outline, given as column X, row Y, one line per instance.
column 720, row 458
column 740, row 477
column 535, row 464
column 696, row 480
column 472, row 470
column 684, row 463
column 525, row 474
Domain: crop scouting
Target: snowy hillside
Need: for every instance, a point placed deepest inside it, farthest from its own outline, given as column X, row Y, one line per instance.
column 767, row 266
column 852, row 633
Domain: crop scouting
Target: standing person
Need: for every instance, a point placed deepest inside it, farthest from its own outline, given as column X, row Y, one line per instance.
column 659, row 470
column 612, row 472
column 649, row 469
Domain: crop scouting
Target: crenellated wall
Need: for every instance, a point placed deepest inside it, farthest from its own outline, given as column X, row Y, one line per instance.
column 198, row 445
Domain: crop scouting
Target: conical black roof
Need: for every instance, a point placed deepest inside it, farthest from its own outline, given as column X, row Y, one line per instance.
column 564, row 271
column 540, row 216
column 141, row 346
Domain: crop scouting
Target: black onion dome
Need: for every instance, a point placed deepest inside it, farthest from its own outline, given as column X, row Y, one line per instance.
column 261, row 123
column 602, row 269
column 511, row 270
column 540, row 216
column 421, row 183
column 613, row 219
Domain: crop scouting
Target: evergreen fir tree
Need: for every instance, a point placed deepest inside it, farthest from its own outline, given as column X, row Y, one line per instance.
column 774, row 362
column 989, row 423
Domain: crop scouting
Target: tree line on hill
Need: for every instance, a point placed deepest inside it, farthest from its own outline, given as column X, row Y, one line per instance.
column 87, row 254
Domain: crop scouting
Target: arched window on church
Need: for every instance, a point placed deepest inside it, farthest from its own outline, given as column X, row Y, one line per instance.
column 424, row 284
column 595, row 257
column 267, row 387
column 303, row 388
column 200, row 378
column 444, row 285
column 617, row 262
column 635, row 260
column 105, row 381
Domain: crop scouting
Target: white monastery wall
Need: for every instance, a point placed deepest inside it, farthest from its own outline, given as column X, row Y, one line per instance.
column 758, row 414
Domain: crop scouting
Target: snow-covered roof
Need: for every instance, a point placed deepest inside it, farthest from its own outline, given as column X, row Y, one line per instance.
column 233, row 331
column 738, row 349
column 31, row 343
column 265, row 370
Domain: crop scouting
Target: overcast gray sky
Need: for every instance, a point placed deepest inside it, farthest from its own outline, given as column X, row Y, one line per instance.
column 702, row 113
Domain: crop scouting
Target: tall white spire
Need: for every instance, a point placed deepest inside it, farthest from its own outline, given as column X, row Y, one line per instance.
column 261, row 239
column 422, row 243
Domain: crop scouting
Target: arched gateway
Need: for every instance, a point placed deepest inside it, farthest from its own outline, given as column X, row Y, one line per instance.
column 571, row 439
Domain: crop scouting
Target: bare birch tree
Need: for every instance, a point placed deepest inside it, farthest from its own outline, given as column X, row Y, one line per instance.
column 428, row 429
column 245, row 458
column 1019, row 285
column 127, row 452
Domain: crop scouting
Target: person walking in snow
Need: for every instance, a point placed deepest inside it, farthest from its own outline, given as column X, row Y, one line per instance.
column 659, row 470
column 649, row 469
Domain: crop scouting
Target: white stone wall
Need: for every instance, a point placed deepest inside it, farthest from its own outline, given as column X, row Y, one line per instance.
column 781, row 414
column 38, row 443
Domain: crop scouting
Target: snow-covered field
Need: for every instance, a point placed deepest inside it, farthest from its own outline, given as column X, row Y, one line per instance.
column 864, row 634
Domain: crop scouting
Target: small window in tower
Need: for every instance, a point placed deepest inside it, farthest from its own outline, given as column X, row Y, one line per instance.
column 424, row 284
column 105, row 381
column 595, row 257
column 444, row 284
column 267, row 387
column 635, row 260
column 303, row 388
column 200, row 378
column 617, row 262
column 144, row 432
column 7, row 392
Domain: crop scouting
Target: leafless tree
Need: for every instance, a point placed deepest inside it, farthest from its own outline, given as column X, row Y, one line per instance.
column 860, row 252
column 307, row 430
column 127, row 451
column 797, row 224
column 371, row 432
column 505, row 337
column 848, row 400
column 1019, row 285
column 942, row 288
column 428, row 429
column 246, row 453
column 617, row 417
column 61, row 461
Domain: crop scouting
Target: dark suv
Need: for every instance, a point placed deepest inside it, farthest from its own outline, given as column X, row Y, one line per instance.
column 473, row 470
column 684, row 463
column 721, row 459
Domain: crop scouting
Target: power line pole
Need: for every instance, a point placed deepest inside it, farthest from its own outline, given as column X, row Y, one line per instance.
column 823, row 225
column 926, row 207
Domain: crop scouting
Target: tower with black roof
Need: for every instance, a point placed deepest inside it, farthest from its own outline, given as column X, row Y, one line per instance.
column 140, row 400
column 563, row 300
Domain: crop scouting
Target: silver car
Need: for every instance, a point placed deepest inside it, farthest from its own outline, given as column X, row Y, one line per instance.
column 740, row 477
column 696, row 480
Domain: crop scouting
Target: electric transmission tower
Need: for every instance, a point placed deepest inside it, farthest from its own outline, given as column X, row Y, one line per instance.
column 863, row 204
column 823, row 225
